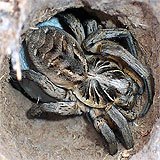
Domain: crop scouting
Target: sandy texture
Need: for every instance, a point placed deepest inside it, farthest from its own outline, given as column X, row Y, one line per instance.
column 66, row 138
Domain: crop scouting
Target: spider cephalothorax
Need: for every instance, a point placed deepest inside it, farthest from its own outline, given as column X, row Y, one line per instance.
column 84, row 71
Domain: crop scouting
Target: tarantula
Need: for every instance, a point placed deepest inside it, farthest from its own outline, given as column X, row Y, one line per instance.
column 82, row 69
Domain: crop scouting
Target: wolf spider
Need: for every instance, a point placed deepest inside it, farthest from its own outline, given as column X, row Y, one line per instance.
column 82, row 69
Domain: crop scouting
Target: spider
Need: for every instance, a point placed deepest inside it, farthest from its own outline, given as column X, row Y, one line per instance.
column 83, row 70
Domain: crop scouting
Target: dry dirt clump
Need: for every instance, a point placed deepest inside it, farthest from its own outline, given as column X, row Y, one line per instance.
column 66, row 138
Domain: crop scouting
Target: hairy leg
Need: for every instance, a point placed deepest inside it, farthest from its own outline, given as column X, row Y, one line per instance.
column 109, row 34
column 74, row 24
column 123, row 131
column 61, row 108
column 111, row 50
column 101, row 126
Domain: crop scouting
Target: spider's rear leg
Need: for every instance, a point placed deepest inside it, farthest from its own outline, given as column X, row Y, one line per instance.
column 43, row 82
column 60, row 108
column 101, row 126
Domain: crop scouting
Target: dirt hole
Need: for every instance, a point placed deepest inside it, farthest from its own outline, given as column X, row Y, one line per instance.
column 72, row 137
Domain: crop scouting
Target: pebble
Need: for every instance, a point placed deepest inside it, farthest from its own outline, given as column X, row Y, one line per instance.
column 125, row 154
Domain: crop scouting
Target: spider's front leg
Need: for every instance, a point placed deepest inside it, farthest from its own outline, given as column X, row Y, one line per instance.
column 123, row 131
column 128, row 114
column 112, row 124
column 119, row 34
column 130, row 64
column 102, row 126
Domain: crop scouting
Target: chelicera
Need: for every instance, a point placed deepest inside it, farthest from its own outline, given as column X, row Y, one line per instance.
column 82, row 69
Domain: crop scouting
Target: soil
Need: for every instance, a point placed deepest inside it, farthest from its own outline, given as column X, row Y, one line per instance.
column 65, row 138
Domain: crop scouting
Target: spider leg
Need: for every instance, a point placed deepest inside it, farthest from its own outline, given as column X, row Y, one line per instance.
column 90, row 26
column 54, row 98
column 118, row 52
column 111, row 34
column 128, row 114
column 61, row 108
column 111, row 50
column 38, row 86
column 123, row 132
column 74, row 24
column 101, row 126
